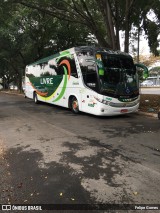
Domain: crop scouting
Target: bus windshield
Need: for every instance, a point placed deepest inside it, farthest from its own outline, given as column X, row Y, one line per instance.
column 119, row 77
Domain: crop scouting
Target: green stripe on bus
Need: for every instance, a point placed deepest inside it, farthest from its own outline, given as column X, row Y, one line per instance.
column 64, row 86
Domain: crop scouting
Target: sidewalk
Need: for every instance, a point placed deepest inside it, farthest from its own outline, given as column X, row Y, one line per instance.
column 12, row 92
column 155, row 115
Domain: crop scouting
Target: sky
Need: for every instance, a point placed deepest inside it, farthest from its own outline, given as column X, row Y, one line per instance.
column 144, row 48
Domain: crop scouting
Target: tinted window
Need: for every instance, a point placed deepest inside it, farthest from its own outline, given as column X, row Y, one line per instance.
column 118, row 62
column 71, row 61
column 73, row 68
column 88, row 68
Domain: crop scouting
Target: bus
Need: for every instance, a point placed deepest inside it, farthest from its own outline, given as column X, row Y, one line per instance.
column 89, row 79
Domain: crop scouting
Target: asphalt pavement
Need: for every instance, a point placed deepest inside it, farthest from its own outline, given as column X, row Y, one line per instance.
column 50, row 156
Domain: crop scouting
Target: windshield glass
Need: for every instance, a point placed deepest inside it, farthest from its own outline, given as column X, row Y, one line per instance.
column 88, row 69
column 119, row 77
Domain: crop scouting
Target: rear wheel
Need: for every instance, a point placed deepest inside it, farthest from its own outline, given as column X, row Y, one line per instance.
column 35, row 97
column 75, row 105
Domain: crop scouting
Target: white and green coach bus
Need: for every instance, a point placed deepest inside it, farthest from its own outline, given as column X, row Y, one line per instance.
column 88, row 79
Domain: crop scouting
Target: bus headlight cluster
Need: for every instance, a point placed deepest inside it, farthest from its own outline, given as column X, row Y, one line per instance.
column 102, row 101
column 124, row 104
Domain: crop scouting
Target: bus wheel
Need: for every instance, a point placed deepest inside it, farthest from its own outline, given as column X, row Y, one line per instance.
column 35, row 98
column 74, row 105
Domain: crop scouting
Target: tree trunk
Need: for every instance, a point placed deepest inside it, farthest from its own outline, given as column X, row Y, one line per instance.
column 129, row 6
column 105, row 9
column 126, row 42
column 102, row 42
column 138, row 44
column 111, row 26
column 117, row 24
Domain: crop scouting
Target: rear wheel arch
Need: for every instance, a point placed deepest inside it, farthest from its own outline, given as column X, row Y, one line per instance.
column 35, row 97
column 73, row 104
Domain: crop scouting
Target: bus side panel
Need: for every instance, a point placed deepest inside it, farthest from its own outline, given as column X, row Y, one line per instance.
column 68, row 87
column 34, row 75
column 28, row 88
column 89, row 104
column 56, row 80
column 57, row 91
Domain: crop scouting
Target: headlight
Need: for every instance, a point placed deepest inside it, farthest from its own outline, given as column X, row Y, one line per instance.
column 102, row 101
column 124, row 104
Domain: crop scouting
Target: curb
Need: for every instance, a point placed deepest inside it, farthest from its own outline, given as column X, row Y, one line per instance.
column 12, row 93
column 155, row 115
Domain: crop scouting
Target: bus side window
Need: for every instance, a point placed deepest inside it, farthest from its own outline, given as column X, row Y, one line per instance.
column 60, row 70
column 71, row 61
column 91, row 77
column 73, row 68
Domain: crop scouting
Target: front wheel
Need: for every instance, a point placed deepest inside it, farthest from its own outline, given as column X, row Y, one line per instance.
column 35, row 97
column 75, row 105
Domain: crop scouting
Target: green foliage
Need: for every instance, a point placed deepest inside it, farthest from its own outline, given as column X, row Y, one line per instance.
column 152, row 30
column 33, row 29
column 155, row 68
column 155, row 71
column 27, row 35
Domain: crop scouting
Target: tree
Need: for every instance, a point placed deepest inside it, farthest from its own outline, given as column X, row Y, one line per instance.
column 151, row 28
column 104, row 18
column 27, row 35
column 152, row 32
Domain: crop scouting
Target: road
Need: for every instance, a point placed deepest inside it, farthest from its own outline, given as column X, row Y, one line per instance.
column 145, row 90
column 49, row 155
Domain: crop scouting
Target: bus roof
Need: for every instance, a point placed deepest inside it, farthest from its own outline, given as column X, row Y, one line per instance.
column 79, row 49
column 100, row 50
column 46, row 59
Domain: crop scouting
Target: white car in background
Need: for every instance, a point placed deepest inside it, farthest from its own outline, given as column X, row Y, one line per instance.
column 147, row 83
column 13, row 87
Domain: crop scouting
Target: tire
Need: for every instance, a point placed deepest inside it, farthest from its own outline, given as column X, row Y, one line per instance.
column 35, row 97
column 74, row 105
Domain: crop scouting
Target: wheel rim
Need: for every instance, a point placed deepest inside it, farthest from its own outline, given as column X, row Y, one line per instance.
column 75, row 105
column 35, row 98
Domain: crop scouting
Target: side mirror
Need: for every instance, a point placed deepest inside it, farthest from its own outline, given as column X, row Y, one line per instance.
column 142, row 71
